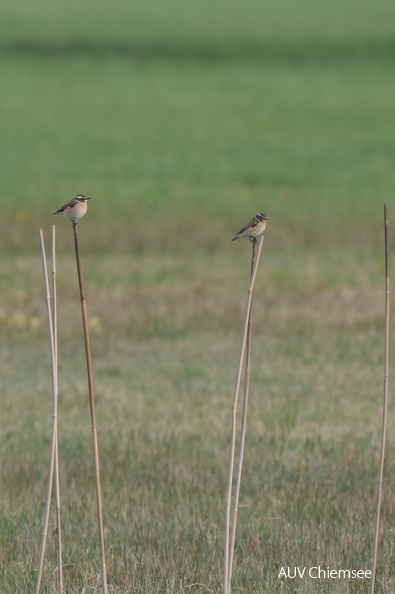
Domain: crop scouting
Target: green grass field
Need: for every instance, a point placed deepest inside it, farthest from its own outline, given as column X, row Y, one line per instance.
column 181, row 121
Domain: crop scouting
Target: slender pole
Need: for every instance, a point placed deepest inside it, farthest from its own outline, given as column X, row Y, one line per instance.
column 55, row 338
column 54, row 419
column 385, row 402
column 256, row 252
column 226, row 581
column 92, row 409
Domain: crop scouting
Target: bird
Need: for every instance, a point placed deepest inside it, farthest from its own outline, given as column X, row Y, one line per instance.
column 75, row 208
column 254, row 228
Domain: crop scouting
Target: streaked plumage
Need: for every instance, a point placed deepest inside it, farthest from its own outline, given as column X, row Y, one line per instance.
column 254, row 228
column 75, row 208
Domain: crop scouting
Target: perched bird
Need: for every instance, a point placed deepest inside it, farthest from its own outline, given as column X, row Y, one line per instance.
column 254, row 228
column 74, row 209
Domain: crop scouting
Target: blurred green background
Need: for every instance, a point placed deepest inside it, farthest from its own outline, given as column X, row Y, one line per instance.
column 184, row 119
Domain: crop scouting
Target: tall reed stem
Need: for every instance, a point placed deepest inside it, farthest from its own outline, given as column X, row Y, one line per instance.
column 385, row 403
column 54, row 418
column 256, row 249
column 57, row 483
column 230, row 527
column 92, row 409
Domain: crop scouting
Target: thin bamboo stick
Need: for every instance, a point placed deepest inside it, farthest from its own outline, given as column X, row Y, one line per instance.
column 385, row 403
column 226, row 580
column 92, row 408
column 256, row 252
column 54, row 419
column 56, row 469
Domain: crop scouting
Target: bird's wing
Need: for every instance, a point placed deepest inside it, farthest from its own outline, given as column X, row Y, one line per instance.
column 252, row 223
column 68, row 204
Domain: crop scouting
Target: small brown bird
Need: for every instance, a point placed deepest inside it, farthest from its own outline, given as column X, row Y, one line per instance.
column 74, row 209
column 254, row 228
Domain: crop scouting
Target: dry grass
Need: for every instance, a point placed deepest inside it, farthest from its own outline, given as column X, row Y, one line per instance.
column 165, row 340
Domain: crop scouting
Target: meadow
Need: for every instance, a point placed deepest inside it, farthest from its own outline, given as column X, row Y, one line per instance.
column 181, row 121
